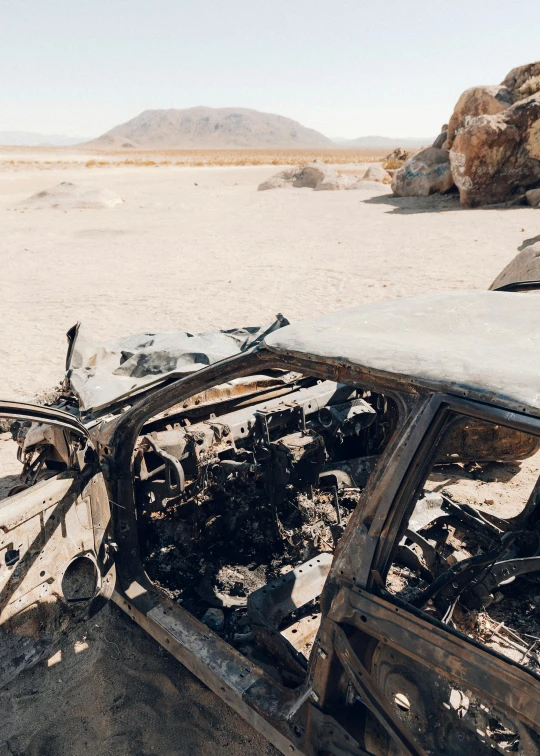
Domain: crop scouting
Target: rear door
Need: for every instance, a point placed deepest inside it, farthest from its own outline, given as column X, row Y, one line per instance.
column 419, row 680
column 56, row 565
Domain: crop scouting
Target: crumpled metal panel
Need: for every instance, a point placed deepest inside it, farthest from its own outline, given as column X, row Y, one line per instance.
column 101, row 373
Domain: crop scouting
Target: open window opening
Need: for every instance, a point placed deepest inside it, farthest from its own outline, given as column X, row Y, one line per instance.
column 242, row 494
column 32, row 451
column 469, row 553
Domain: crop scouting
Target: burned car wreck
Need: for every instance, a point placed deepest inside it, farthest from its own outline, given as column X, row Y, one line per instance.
column 287, row 515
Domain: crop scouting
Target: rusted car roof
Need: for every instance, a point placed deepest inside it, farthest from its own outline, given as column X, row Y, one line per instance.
column 481, row 344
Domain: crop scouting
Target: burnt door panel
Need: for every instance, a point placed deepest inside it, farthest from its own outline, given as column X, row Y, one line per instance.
column 54, row 569
column 440, row 693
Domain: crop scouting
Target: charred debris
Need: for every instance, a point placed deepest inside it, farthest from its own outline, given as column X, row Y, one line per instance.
column 475, row 572
column 245, row 489
column 238, row 496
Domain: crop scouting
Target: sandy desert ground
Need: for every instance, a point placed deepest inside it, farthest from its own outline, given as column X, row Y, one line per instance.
column 197, row 248
column 192, row 248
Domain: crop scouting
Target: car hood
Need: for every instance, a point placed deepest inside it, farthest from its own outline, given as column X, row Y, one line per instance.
column 102, row 373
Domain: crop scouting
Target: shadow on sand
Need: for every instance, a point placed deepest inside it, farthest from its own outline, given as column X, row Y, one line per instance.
column 435, row 203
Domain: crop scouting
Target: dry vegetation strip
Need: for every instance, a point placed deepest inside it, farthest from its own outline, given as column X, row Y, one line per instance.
column 27, row 157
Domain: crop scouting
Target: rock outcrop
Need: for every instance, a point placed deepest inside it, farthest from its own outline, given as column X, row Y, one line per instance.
column 316, row 175
column 281, row 180
column 523, row 79
column 426, row 173
column 475, row 102
column 496, row 158
column 321, row 177
column 313, row 175
column 491, row 150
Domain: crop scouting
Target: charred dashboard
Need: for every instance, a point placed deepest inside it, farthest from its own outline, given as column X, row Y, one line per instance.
column 233, row 495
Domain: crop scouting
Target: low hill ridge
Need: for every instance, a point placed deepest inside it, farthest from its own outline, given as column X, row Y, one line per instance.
column 209, row 128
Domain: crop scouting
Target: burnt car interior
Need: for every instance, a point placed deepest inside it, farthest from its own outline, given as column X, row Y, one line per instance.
column 469, row 560
column 467, row 557
column 336, row 530
column 242, row 494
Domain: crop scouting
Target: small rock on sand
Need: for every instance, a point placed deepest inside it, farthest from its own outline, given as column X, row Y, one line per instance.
column 68, row 196
column 282, row 180
column 321, row 177
column 376, row 172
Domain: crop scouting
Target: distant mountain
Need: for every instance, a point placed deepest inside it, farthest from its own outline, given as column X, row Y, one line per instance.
column 209, row 128
column 30, row 139
column 390, row 143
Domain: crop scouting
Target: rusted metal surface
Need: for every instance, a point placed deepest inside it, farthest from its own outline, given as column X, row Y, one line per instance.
column 269, row 606
column 49, row 533
column 381, row 676
column 235, row 392
column 45, row 532
column 301, row 634
column 370, row 696
column 422, row 657
column 239, row 683
column 477, row 441
column 108, row 374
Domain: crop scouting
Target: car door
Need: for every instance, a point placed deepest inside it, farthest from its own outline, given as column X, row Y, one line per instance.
column 56, row 565
column 414, row 684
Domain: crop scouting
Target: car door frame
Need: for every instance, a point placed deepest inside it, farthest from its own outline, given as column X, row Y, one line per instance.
column 270, row 707
column 356, row 601
column 58, row 521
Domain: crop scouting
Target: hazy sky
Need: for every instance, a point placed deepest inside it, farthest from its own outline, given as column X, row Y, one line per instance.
column 345, row 67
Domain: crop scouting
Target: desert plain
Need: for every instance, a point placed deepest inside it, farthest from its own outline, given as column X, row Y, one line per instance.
column 191, row 247
column 197, row 247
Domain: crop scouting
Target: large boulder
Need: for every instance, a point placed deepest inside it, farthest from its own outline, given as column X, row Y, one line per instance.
column 495, row 158
column 311, row 175
column 320, row 177
column 475, row 102
column 524, row 267
column 334, row 181
column 428, row 172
